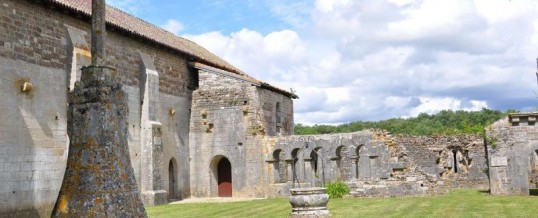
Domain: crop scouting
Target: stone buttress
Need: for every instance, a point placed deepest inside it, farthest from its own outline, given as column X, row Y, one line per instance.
column 152, row 187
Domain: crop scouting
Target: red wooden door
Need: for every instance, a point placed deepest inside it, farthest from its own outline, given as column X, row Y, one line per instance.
column 225, row 178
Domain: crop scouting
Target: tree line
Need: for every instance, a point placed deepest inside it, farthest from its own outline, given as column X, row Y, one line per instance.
column 446, row 122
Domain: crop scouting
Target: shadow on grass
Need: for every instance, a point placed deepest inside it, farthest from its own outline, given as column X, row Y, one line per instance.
column 532, row 192
column 484, row 191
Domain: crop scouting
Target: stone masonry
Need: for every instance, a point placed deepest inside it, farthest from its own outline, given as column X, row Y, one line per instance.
column 230, row 118
column 99, row 179
column 44, row 44
column 374, row 163
column 512, row 145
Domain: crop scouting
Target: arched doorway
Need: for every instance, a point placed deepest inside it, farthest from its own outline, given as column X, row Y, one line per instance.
column 171, row 180
column 224, row 177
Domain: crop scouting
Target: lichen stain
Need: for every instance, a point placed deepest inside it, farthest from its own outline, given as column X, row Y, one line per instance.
column 63, row 204
column 90, row 143
column 119, row 95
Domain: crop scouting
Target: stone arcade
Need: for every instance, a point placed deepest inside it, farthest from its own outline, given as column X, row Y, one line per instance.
column 197, row 126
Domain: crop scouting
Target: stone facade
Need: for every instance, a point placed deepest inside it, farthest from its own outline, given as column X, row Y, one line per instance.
column 42, row 49
column 512, row 145
column 43, row 46
column 230, row 118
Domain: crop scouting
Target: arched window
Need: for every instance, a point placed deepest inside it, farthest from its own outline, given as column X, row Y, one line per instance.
column 358, row 161
column 278, row 118
column 455, row 160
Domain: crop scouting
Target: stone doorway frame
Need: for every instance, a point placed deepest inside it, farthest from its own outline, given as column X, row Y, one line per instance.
column 214, row 178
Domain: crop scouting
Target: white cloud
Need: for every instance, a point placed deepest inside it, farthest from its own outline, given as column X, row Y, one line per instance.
column 173, row 26
column 371, row 60
column 434, row 105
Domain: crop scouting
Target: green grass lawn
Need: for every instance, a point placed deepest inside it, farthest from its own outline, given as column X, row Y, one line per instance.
column 458, row 203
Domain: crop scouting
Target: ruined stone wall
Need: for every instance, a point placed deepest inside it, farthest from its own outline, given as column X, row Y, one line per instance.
column 47, row 47
column 512, row 144
column 448, row 161
column 368, row 161
column 374, row 163
column 229, row 121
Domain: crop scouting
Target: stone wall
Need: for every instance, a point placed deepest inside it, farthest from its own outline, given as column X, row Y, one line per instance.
column 512, row 145
column 374, row 163
column 33, row 138
column 448, row 161
column 46, row 47
column 368, row 161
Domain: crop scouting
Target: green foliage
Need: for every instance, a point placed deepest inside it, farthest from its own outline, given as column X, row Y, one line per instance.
column 337, row 189
column 446, row 122
column 491, row 140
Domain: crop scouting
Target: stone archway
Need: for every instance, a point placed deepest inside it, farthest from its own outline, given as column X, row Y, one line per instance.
column 280, row 168
column 343, row 164
column 224, row 178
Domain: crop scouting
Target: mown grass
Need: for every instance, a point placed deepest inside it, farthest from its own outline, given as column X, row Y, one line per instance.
column 458, row 203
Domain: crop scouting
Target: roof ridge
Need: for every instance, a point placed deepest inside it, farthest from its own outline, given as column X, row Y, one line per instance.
column 139, row 19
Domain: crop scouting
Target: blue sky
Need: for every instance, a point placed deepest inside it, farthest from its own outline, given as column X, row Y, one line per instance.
column 369, row 59
column 225, row 16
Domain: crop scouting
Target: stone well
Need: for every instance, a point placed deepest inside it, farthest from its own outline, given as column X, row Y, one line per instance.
column 309, row 202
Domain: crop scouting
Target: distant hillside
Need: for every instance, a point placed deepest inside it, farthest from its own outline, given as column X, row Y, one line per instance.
column 446, row 122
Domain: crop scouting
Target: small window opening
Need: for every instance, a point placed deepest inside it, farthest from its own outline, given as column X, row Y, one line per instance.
column 455, row 161
column 278, row 119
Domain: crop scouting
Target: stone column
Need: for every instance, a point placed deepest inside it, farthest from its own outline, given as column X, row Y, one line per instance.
column 99, row 180
column 354, row 166
column 98, row 32
column 289, row 165
column 309, row 175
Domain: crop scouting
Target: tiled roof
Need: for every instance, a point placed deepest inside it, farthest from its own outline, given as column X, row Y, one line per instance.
column 137, row 26
column 119, row 19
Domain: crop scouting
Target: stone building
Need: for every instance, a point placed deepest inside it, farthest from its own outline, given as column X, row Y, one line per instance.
column 512, row 148
column 44, row 44
column 231, row 116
